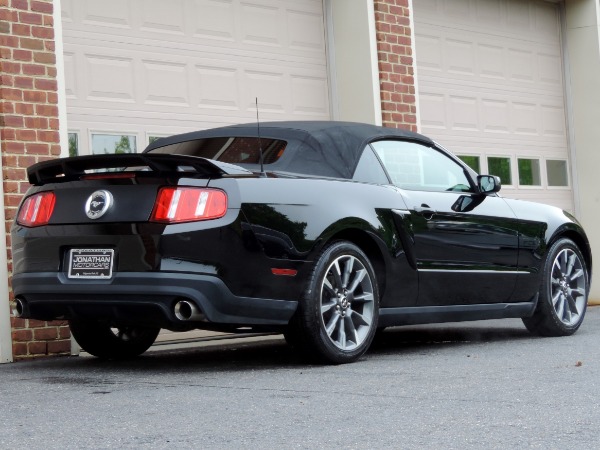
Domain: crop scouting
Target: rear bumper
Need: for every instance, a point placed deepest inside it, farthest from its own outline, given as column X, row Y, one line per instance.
column 145, row 298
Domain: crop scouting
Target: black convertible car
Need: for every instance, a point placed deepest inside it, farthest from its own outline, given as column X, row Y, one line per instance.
column 325, row 231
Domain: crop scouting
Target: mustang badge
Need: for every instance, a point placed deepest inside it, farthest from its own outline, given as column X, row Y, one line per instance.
column 98, row 203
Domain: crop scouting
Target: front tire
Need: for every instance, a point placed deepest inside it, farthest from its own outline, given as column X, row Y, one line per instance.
column 108, row 342
column 563, row 293
column 337, row 318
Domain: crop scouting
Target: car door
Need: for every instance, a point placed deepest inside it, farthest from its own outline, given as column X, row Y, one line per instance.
column 465, row 243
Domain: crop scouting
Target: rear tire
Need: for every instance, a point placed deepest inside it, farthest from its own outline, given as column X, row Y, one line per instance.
column 108, row 342
column 337, row 317
column 563, row 293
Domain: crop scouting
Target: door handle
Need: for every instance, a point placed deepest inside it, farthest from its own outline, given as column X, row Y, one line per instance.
column 425, row 211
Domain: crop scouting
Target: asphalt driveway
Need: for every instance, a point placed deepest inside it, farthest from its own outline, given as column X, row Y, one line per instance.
column 471, row 385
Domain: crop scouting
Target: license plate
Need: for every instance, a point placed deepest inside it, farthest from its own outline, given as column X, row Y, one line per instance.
column 85, row 263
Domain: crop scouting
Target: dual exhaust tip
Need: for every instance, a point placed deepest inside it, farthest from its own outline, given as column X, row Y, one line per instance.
column 187, row 311
column 20, row 309
column 184, row 310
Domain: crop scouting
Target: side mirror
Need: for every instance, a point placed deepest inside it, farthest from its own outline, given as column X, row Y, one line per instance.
column 488, row 184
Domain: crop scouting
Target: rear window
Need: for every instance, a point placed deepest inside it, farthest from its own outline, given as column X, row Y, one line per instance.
column 233, row 150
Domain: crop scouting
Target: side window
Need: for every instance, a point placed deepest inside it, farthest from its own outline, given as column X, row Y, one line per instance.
column 369, row 169
column 417, row 167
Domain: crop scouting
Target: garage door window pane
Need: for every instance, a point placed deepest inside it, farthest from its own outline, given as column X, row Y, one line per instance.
column 557, row 172
column 103, row 144
column 471, row 161
column 73, row 144
column 529, row 172
column 501, row 168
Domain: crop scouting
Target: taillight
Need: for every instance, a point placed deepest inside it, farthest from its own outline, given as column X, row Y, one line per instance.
column 36, row 210
column 187, row 204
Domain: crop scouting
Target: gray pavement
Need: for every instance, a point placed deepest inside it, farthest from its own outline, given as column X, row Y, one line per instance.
column 473, row 385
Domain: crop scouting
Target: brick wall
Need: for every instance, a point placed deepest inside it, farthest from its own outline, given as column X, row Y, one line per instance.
column 29, row 133
column 396, row 64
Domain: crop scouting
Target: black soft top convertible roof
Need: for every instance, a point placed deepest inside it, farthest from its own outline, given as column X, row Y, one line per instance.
column 322, row 148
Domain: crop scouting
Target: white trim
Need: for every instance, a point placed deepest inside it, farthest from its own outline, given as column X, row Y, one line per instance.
column 413, row 45
column 60, row 80
column 374, row 62
column 63, row 128
column 572, row 147
column 334, row 105
column 5, row 328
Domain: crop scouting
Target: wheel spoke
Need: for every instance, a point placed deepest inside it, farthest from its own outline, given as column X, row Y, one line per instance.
column 328, row 306
column 560, row 305
column 580, row 291
column 347, row 271
column 358, row 277
column 555, row 299
column 566, row 311
column 578, row 273
column 570, row 264
column 365, row 297
column 342, row 334
column 337, row 274
column 572, row 306
column 353, row 334
column 359, row 318
column 327, row 285
column 562, row 262
column 332, row 323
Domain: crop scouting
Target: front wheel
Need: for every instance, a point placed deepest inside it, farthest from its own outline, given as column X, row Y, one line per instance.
column 563, row 293
column 112, row 342
column 337, row 318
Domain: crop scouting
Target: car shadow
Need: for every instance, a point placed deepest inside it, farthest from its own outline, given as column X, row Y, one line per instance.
column 273, row 353
column 418, row 338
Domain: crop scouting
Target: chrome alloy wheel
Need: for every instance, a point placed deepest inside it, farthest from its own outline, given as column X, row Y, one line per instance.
column 347, row 302
column 568, row 287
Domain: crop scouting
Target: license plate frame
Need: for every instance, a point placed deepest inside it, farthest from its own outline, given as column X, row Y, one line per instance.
column 91, row 263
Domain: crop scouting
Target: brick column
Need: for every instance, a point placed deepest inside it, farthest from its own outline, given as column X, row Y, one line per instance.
column 29, row 133
column 396, row 63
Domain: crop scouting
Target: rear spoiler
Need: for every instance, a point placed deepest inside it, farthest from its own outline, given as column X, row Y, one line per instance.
column 70, row 169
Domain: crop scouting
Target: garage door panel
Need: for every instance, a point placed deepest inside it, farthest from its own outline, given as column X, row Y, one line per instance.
column 155, row 18
column 286, row 28
column 165, row 83
column 454, row 107
column 510, row 62
column 532, row 21
column 188, row 64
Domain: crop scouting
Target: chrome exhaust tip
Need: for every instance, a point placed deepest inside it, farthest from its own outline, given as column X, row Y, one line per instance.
column 187, row 311
column 20, row 308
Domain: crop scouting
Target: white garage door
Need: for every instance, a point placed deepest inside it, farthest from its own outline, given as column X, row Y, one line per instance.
column 491, row 89
column 137, row 69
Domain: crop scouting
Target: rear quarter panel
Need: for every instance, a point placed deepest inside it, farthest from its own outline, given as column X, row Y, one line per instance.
column 297, row 218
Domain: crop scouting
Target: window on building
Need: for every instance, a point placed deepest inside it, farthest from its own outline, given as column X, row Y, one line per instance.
column 472, row 161
column 500, row 166
column 556, row 170
column 73, row 144
column 529, row 172
column 103, row 144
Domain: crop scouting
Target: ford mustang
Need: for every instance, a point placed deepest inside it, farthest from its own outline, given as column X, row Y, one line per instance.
column 324, row 231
